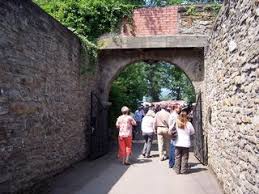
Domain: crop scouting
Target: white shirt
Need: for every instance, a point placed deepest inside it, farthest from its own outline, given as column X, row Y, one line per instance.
column 183, row 136
column 147, row 125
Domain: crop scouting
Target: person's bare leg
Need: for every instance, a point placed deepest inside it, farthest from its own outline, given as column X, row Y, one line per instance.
column 127, row 160
column 123, row 160
column 128, row 150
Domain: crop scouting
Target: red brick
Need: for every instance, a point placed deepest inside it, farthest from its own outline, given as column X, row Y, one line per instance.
column 153, row 21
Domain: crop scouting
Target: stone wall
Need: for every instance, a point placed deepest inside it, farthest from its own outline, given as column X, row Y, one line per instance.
column 44, row 102
column 196, row 19
column 231, row 103
column 171, row 20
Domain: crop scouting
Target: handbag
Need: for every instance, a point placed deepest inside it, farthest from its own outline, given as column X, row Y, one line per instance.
column 173, row 132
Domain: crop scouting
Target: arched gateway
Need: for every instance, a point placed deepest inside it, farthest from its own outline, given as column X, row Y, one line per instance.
column 186, row 52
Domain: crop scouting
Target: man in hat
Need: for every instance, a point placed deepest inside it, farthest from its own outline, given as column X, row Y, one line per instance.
column 161, row 126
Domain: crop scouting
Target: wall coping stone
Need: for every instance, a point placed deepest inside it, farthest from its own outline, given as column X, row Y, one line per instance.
column 176, row 41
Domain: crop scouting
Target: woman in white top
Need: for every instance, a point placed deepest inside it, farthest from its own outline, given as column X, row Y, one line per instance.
column 183, row 142
column 147, row 127
column 175, row 110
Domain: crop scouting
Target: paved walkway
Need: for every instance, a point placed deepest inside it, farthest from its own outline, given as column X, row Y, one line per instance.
column 145, row 176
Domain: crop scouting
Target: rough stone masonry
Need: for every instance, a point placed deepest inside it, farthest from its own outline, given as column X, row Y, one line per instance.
column 43, row 104
column 232, row 97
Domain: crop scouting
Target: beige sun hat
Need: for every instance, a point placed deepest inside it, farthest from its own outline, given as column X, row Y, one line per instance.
column 124, row 109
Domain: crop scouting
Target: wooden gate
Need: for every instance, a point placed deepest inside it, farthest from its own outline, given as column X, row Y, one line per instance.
column 99, row 138
column 200, row 145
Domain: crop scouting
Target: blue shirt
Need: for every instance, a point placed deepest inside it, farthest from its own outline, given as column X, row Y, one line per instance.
column 138, row 115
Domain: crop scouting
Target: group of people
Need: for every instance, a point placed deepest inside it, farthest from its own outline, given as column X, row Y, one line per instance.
column 169, row 123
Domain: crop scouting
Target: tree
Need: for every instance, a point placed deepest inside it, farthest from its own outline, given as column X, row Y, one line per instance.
column 128, row 89
column 175, row 80
column 153, row 73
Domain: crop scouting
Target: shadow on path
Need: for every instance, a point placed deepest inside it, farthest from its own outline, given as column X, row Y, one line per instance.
column 105, row 171
column 98, row 175
column 107, row 175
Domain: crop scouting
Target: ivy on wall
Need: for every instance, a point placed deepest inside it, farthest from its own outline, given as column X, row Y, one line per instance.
column 88, row 55
column 89, row 20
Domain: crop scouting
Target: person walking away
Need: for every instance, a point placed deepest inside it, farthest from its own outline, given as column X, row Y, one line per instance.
column 183, row 142
column 161, row 129
column 147, row 127
column 138, row 116
column 134, row 126
column 124, row 123
column 175, row 110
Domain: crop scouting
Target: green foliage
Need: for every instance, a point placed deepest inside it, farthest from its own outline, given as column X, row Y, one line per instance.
column 88, row 57
column 88, row 54
column 128, row 89
column 154, row 77
column 90, row 18
column 191, row 10
column 162, row 2
column 177, row 2
column 174, row 2
column 174, row 79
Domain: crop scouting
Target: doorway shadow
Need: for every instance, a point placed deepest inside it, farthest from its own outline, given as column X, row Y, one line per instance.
column 195, row 170
column 193, row 164
column 195, row 167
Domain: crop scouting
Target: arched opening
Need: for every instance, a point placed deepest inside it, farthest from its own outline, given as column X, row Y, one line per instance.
column 113, row 62
column 189, row 60
column 147, row 81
